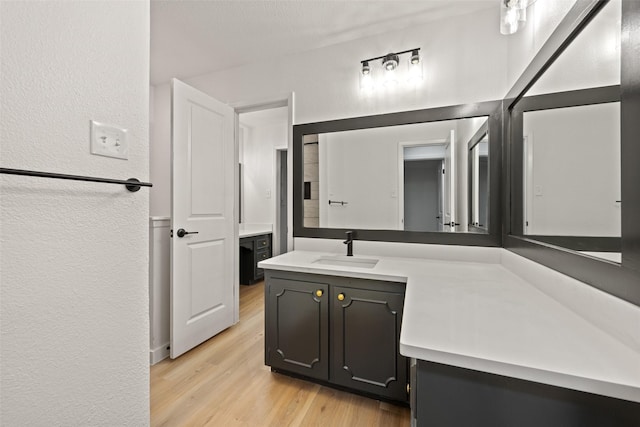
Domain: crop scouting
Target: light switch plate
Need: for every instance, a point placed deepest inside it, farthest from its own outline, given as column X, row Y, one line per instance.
column 108, row 140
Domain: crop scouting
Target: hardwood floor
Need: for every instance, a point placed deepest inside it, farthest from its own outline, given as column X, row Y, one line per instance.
column 224, row 382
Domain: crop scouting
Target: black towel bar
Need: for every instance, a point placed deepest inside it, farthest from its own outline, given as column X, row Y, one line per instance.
column 132, row 184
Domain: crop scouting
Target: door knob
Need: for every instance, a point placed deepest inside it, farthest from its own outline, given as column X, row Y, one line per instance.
column 182, row 232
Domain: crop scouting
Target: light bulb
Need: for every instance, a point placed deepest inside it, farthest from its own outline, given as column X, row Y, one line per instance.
column 390, row 62
column 366, row 69
column 415, row 58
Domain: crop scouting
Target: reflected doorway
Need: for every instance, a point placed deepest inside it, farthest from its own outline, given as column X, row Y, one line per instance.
column 422, row 186
column 281, row 213
column 423, row 195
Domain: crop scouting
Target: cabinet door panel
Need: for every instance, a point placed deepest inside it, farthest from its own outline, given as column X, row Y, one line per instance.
column 297, row 335
column 365, row 338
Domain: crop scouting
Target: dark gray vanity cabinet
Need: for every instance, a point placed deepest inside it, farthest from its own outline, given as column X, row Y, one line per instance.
column 253, row 249
column 337, row 330
column 444, row 395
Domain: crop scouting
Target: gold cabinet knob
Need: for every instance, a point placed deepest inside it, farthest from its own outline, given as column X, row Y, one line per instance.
column 408, row 388
column 319, row 293
column 340, row 297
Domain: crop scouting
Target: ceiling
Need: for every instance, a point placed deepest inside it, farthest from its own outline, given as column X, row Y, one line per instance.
column 190, row 38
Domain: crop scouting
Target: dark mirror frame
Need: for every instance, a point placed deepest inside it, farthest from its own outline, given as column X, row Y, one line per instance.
column 621, row 280
column 475, row 140
column 492, row 109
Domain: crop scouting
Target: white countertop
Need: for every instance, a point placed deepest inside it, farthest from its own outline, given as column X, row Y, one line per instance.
column 485, row 317
column 250, row 230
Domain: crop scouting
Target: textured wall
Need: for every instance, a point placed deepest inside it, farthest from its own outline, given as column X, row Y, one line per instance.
column 74, row 256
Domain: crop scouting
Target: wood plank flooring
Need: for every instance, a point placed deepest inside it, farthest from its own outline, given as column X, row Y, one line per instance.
column 224, row 382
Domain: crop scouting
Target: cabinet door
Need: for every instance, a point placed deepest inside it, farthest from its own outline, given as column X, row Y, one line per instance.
column 366, row 342
column 297, row 327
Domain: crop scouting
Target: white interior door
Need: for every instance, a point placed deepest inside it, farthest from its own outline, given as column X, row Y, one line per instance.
column 204, row 163
column 527, row 193
column 449, row 216
column 475, row 185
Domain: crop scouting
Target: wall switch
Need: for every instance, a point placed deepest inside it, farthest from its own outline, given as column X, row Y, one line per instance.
column 537, row 190
column 268, row 194
column 109, row 141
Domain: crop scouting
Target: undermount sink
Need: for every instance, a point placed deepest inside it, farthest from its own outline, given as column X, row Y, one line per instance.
column 347, row 261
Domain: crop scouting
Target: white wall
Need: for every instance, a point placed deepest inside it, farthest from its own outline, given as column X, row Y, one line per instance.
column 160, row 151
column 74, row 261
column 464, row 61
column 591, row 60
column 159, row 289
column 575, row 177
column 542, row 19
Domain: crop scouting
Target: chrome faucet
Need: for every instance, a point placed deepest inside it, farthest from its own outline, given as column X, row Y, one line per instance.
column 349, row 243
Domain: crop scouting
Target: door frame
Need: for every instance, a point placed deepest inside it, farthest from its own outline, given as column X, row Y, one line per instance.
column 401, row 147
column 265, row 104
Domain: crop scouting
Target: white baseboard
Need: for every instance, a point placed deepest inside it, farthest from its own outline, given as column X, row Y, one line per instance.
column 158, row 354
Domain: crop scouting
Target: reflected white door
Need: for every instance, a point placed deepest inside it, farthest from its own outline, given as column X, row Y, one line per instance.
column 527, row 188
column 449, row 178
column 203, row 288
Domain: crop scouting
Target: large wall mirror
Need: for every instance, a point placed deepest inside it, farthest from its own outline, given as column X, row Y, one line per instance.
column 567, row 156
column 401, row 177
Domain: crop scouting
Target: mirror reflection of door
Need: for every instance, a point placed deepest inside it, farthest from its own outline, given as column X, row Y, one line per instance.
column 480, row 183
column 449, row 177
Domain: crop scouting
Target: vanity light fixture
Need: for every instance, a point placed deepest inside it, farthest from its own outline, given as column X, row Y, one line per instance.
column 390, row 62
column 513, row 14
column 392, row 70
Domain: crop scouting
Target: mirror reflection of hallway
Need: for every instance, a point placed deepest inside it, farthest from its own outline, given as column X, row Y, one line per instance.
column 423, row 195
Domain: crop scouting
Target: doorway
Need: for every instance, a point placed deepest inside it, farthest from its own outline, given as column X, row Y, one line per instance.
column 281, row 196
column 263, row 142
column 423, row 195
column 421, row 184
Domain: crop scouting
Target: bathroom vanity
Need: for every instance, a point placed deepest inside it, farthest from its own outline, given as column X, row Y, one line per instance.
column 255, row 246
column 344, row 331
column 489, row 339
